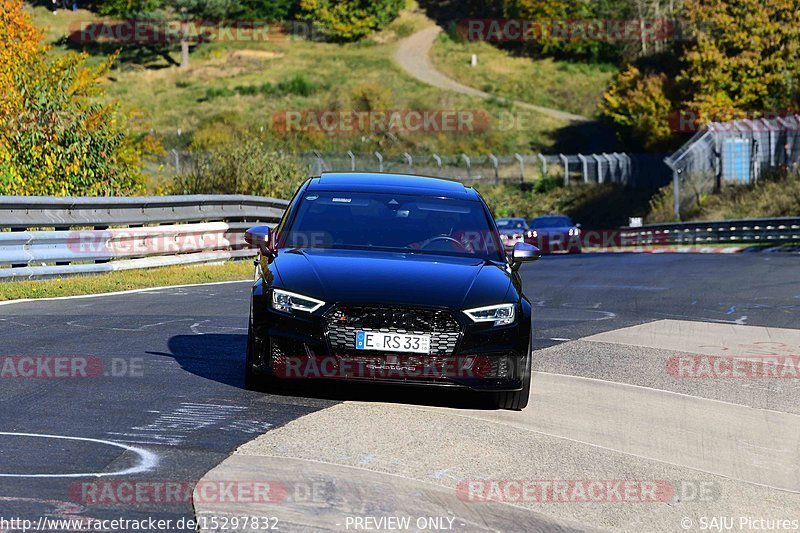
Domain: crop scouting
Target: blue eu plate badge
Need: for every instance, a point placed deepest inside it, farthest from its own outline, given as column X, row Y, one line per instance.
column 360, row 335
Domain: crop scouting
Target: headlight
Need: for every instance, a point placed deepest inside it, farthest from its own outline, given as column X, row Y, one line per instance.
column 499, row 314
column 534, row 234
column 288, row 301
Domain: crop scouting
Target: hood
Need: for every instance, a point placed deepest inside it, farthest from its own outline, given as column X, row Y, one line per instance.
column 513, row 231
column 392, row 278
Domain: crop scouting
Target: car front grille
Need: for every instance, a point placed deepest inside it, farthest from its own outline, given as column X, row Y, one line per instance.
column 344, row 320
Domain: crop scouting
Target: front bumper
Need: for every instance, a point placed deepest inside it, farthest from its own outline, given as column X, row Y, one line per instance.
column 557, row 243
column 469, row 355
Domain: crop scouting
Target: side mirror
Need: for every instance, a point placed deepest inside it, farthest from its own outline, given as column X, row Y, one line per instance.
column 522, row 253
column 258, row 237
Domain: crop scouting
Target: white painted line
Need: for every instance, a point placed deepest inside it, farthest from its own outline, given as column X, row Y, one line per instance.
column 130, row 291
column 147, row 460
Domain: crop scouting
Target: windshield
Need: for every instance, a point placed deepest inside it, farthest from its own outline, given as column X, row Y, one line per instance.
column 510, row 223
column 551, row 222
column 393, row 222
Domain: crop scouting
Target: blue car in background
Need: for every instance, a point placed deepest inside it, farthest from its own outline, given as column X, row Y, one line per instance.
column 555, row 233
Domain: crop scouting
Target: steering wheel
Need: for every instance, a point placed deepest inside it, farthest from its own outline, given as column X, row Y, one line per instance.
column 443, row 238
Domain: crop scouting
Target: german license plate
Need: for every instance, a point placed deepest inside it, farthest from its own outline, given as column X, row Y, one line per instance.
column 393, row 342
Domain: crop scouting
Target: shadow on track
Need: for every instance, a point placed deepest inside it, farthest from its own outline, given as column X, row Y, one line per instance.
column 220, row 357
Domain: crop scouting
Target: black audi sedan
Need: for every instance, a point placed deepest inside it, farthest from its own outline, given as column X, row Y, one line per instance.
column 389, row 278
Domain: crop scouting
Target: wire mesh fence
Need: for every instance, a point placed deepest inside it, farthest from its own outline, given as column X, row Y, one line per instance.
column 735, row 152
column 641, row 171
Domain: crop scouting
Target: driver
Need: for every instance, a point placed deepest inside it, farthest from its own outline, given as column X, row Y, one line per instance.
column 441, row 234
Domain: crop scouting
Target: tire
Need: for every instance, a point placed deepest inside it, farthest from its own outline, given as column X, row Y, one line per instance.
column 254, row 380
column 251, row 381
column 517, row 400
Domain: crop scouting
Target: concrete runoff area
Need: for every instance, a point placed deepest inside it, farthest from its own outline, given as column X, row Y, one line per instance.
column 717, row 458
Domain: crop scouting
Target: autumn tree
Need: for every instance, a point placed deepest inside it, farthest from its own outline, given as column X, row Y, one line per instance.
column 637, row 104
column 742, row 58
column 745, row 57
column 56, row 138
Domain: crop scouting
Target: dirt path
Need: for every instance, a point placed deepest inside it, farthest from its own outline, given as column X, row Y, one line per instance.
column 413, row 55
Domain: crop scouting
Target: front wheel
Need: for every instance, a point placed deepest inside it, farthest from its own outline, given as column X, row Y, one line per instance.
column 254, row 380
column 251, row 381
column 517, row 400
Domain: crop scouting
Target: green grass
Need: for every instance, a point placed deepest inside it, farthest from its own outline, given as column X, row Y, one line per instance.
column 248, row 83
column 774, row 195
column 126, row 280
column 572, row 87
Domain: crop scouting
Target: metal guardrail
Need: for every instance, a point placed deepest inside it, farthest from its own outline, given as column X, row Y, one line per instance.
column 52, row 236
column 47, row 237
column 747, row 231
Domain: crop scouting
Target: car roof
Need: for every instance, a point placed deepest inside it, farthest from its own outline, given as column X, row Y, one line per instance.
column 550, row 216
column 512, row 218
column 391, row 183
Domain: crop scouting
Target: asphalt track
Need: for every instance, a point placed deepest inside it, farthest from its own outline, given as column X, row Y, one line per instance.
column 603, row 407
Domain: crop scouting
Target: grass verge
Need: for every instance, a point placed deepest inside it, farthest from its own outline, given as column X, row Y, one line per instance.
column 126, row 280
column 251, row 85
column 572, row 87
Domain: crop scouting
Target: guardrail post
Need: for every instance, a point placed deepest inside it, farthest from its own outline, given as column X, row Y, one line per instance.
column 380, row 161
column 521, row 166
column 438, row 163
column 771, row 142
column 469, row 165
column 628, row 168
column 599, row 168
column 352, row 160
column 676, row 193
column 610, row 171
column 620, row 166
column 409, row 160
column 177, row 160
column 565, row 162
column 319, row 163
column 493, row 159
column 585, row 168
column 543, row 159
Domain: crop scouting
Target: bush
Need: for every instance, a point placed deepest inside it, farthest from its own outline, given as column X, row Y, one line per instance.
column 298, row 84
column 775, row 195
column 370, row 96
column 126, row 8
column 262, row 9
column 350, row 20
column 230, row 161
